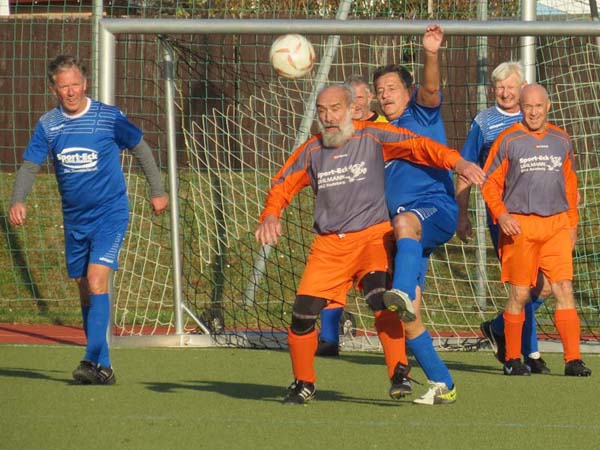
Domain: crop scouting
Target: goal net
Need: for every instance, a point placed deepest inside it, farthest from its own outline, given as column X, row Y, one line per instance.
column 237, row 122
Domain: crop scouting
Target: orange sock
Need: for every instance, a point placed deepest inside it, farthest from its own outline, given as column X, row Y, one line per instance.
column 567, row 324
column 513, row 332
column 302, row 352
column 390, row 330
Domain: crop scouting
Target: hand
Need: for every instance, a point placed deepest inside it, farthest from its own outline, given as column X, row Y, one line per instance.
column 509, row 225
column 268, row 231
column 464, row 229
column 433, row 37
column 470, row 172
column 159, row 204
column 17, row 213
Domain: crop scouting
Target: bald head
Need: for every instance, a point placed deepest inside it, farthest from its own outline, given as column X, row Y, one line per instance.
column 535, row 105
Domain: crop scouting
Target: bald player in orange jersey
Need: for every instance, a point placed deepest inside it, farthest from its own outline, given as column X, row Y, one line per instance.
column 531, row 192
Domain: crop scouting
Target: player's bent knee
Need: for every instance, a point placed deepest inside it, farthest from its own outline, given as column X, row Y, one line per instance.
column 305, row 311
column 373, row 286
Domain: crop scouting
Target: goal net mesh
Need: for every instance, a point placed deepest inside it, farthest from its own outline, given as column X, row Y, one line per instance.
column 237, row 122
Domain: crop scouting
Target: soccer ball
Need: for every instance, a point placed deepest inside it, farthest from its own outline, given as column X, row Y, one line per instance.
column 292, row 56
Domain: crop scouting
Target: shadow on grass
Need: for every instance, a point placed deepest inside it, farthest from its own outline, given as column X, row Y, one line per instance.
column 376, row 359
column 18, row 372
column 261, row 392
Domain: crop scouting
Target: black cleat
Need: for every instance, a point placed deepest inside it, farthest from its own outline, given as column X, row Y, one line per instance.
column 86, row 372
column 399, row 302
column 327, row 349
column 401, row 382
column 299, row 393
column 577, row 368
column 105, row 375
column 537, row 365
column 496, row 340
column 516, row 367
column 89, row 373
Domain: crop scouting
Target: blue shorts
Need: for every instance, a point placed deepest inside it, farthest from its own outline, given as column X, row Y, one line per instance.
column 99, row 243
column 438, row 216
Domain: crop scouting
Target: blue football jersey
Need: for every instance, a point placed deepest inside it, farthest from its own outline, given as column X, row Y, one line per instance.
column 407, row 183
column 86, row 152
column 485, row 128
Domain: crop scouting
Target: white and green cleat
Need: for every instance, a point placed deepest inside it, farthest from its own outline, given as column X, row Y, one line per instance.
column 399, row 302
column 438, row 394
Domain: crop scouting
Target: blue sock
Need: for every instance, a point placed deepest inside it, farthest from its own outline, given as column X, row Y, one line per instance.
column 529, row 344
column 85, row 311
column 330, row 325
column 407, row 265
column 96, row 349
column 429, row 360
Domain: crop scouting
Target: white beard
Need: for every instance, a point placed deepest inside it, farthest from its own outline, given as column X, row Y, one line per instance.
column 337, row 139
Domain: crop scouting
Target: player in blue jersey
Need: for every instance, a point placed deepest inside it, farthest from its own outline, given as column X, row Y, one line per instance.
column 507, row 80
column 329, row 336
column 421, row 203
column 84, row 139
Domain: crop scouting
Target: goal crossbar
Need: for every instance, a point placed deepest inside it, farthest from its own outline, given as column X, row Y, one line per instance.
column 349, row 27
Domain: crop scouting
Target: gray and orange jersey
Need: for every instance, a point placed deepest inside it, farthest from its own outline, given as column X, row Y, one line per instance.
column 348, row 181
column 531, row 173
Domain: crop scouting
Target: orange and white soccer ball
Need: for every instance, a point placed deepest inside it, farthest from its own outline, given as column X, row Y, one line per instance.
column 292, row 56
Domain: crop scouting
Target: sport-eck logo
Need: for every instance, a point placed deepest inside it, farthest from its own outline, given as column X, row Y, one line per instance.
column 78, row 158
column 541, row 163
column 342, row 175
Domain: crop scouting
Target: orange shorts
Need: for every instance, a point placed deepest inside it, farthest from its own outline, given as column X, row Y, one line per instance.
column 543, row 245
column 335, row 261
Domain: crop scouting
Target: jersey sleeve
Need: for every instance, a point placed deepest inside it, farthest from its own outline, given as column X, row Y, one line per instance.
column 495, row 168
column 400, row 143
column 471, row 149
column 37, row 148
column 427, row 115
column 127, row 135
column 289, row 180
column 570, row 174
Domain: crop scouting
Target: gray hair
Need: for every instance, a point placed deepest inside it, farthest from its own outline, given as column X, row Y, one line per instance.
column 64, row 62
column 357, row 80
column 348, row 91
column 506, row 69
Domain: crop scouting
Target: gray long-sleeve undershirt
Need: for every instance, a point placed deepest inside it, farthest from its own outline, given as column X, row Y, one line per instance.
column 142, row 152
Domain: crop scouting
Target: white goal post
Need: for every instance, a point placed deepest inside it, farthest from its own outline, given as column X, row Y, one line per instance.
column 109, row 29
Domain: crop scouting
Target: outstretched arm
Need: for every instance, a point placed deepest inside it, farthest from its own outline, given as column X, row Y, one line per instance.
column 426, row 151
column 429, row 91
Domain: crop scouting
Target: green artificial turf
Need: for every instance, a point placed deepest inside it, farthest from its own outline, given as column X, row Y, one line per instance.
column 180, row 398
